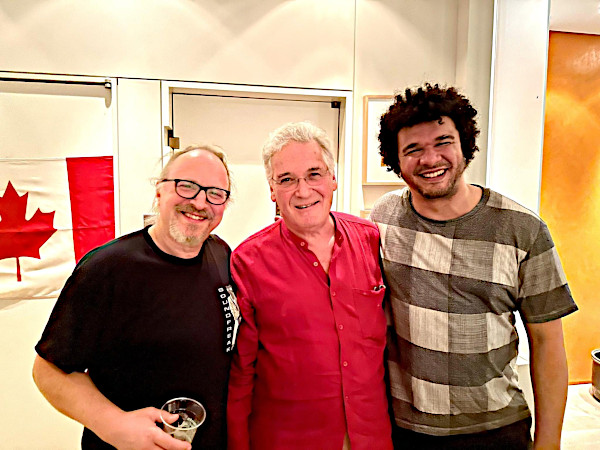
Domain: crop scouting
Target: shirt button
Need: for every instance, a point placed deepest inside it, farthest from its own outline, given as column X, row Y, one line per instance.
column 316, row 264
column 345, row 364
column 346, row 397
column 302, row 244
column 333, row 294
column 341, row 327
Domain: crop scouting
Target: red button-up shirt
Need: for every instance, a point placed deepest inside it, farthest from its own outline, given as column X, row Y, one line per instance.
column 309, row 361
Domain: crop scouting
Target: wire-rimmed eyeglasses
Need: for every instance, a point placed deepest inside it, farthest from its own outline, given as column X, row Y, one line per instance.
column 314, row 178
column 189, row 190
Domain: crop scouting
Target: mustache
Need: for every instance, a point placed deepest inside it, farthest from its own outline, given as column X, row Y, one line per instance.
column 193, row 210
column 439, row 165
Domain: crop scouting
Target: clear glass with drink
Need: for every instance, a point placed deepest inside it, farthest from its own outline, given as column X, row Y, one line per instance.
column 191, row 415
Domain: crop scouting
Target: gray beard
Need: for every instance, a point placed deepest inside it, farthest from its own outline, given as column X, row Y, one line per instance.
column 190, row 239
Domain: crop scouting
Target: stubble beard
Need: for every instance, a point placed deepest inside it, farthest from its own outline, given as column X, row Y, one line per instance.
column 443, row 192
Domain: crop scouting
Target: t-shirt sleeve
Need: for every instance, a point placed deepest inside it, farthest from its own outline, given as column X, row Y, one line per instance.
column 72, row 333
column 543, row 290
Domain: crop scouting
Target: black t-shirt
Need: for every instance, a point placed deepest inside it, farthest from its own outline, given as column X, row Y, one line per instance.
column 148, row 327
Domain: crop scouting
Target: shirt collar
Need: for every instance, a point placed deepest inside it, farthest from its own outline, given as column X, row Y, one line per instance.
column 301, row 243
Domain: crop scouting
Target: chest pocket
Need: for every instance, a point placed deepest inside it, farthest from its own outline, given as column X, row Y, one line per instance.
column 368, row 304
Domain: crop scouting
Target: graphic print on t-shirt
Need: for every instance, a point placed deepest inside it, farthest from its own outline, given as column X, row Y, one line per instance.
column 231, row 311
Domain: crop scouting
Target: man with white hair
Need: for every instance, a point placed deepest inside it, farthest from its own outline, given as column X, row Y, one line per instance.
column 142, row 319
column 308, row 372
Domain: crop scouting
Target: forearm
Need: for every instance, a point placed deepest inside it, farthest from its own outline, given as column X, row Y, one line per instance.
column 76, row 396
column 550, row 381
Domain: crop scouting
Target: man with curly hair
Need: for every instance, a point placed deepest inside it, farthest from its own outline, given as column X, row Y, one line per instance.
column 460, row 260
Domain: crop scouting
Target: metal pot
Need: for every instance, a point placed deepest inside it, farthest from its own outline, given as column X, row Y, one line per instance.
column 595, row 390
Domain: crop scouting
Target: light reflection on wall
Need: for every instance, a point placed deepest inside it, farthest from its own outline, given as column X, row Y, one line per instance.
column 570, row 193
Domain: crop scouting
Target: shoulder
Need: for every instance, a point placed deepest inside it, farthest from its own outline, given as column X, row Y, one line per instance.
column 357, row 231
column 121, row 246
column 528, row 231
column 216, row 242
column 354, row 221
column 106, row 262
column 390, row 204
column 259, row 247
column 515, row 216
column 258, row 239
column 501, row 202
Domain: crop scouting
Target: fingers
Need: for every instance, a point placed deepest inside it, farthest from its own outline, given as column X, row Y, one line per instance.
column 155, row 414
column 166, row 442
column 168, row 417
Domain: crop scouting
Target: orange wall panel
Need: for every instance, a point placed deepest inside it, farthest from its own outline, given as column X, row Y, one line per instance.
column 570, row 194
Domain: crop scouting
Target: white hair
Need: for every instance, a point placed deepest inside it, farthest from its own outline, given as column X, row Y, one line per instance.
column 303, row 132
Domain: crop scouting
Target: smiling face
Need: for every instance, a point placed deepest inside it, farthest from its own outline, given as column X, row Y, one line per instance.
column 183, row 225
column 304, row 208
column 431, row 159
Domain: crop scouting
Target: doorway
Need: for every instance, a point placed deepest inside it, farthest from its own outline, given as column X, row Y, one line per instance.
column 239, row 121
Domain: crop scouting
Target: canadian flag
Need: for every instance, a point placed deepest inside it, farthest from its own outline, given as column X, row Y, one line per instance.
column 52, row 212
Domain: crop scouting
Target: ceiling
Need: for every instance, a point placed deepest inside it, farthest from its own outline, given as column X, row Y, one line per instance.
column 575, row 16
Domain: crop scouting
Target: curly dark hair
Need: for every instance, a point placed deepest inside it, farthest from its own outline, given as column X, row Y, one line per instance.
column 427, row 104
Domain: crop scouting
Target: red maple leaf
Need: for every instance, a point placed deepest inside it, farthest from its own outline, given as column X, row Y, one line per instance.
column 20, row 237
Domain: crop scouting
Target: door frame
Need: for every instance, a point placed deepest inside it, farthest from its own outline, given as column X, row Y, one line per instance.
column 168, row 88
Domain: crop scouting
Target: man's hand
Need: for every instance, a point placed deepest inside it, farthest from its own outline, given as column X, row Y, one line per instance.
column 75, row 395
column 138, row 430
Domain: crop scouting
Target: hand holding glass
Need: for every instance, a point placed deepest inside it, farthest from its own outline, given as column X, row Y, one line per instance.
column 191, row 416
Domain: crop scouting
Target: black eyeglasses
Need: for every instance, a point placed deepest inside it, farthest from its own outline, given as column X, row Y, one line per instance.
column 190, row 190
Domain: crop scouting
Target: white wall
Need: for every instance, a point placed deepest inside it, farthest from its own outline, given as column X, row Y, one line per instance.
column 514, row 165
column 140, row 149
column 403, row 43
column 306, row 43
column 362, row 46
column 519, row 90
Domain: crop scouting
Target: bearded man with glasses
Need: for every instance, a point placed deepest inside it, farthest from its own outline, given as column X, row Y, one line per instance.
column 308, row 371
column 149, row 317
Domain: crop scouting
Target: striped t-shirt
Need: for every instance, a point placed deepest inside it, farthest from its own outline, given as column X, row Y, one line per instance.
column 454, row 287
